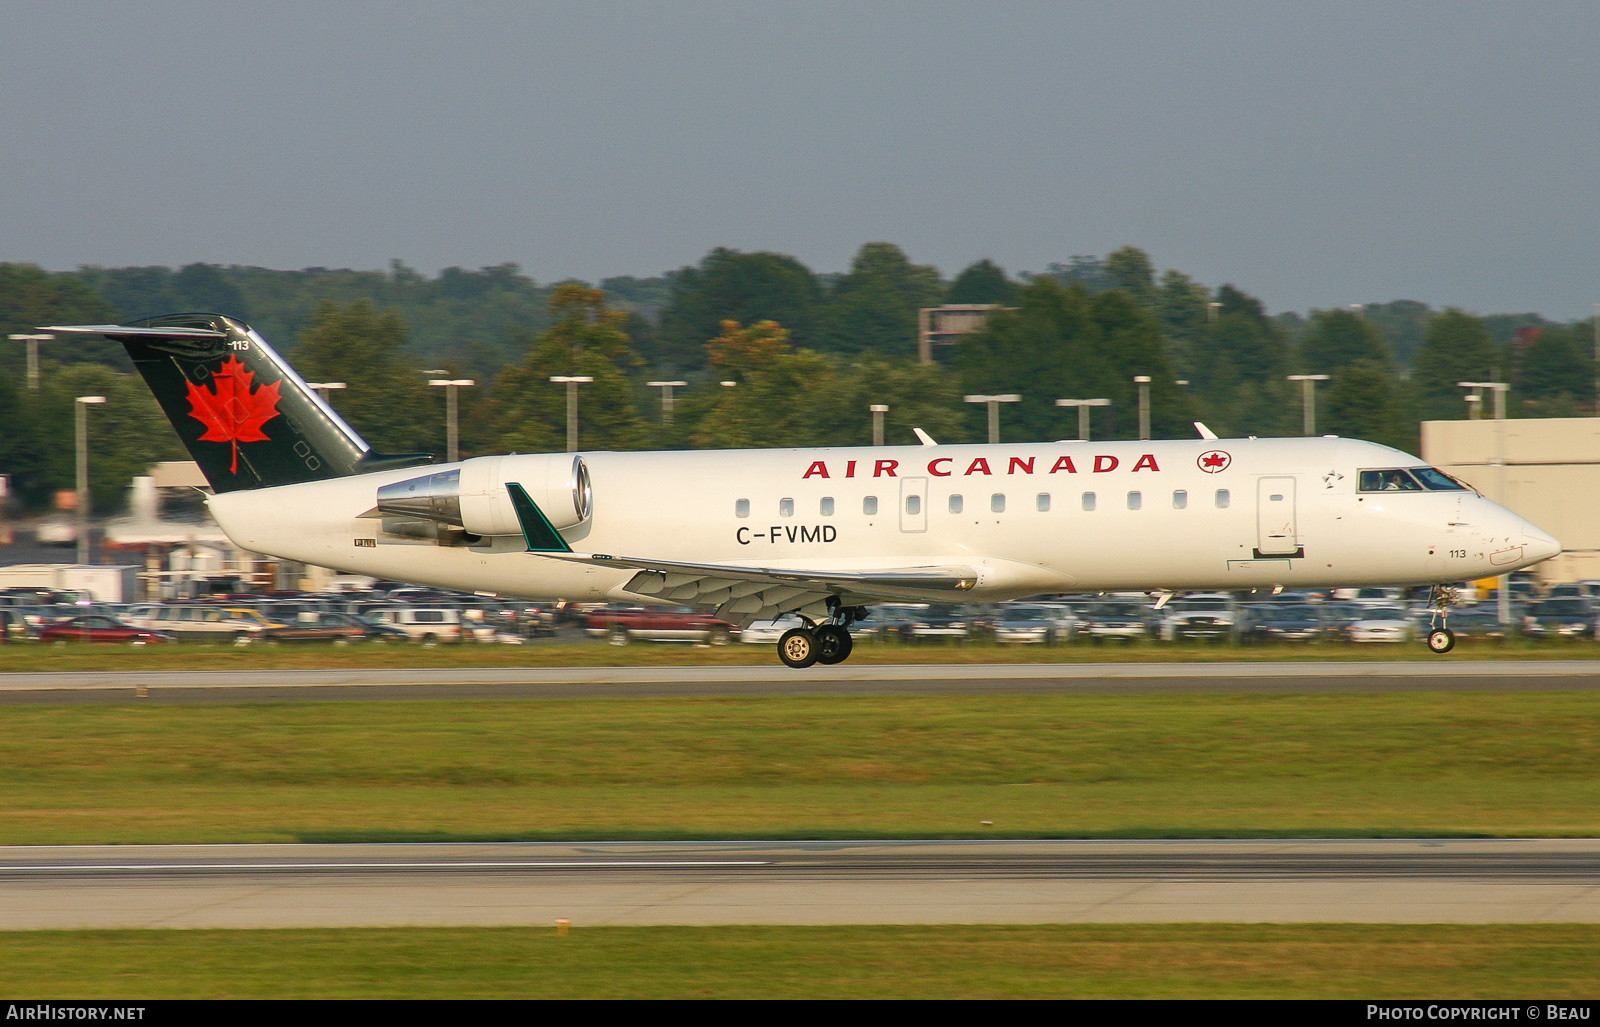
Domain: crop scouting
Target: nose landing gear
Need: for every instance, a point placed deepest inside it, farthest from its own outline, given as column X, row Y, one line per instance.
column 1440, row 638
column 827, row 643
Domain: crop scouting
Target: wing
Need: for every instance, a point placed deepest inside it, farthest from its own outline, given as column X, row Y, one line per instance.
column 743, row 594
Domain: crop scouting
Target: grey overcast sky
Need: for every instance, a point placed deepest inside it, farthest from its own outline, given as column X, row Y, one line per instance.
column 1313, row 153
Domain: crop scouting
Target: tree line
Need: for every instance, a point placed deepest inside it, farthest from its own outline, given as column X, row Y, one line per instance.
column 773, row 354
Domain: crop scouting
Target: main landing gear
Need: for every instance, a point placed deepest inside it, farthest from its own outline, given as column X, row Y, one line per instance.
column 1440, row 638
column 826, row 643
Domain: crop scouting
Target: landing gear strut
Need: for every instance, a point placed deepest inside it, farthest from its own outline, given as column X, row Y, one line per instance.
column 1440, row 638
column 826, row 643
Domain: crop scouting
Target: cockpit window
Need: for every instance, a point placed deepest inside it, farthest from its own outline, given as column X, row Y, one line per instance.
column 1437, row 481
column 1392, row 480
column 1410, row 479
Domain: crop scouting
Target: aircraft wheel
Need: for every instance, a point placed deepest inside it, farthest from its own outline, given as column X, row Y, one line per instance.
column 798, row 648
column 1441, row 640
column 833, row 644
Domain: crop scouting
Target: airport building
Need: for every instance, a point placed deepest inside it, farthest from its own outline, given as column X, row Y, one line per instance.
column 1544, row 469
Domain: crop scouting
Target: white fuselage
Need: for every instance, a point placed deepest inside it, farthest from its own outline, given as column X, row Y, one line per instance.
column 1168, row 515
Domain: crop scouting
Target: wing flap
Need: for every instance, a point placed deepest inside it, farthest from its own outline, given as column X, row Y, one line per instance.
column 745, row 594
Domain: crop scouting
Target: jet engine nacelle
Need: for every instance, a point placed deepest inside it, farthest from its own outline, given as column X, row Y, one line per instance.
column 473, row 496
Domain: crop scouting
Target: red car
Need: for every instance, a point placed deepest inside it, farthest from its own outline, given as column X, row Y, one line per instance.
column 95, row 627
column 623, row 624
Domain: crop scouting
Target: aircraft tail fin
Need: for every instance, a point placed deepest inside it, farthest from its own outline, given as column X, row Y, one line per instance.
column 245, row 416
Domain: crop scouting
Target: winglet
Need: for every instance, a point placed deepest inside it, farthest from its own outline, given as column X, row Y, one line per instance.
column 1205, row 433
column 923, row 437
column 536, row 529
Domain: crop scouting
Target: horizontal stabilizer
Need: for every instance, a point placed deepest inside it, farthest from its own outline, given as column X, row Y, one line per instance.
column 136, row 333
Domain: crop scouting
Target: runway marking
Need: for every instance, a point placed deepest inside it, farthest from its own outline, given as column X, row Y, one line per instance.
column 478, row 865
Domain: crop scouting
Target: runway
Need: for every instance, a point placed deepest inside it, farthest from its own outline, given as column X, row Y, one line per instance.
column 822, row 882
column 776, row 680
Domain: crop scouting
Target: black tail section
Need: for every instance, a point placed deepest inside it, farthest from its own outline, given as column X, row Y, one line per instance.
column 247, row 419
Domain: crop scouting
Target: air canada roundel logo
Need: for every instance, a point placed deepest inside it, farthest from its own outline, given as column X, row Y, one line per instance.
column 1214, row 461
column 233, row 411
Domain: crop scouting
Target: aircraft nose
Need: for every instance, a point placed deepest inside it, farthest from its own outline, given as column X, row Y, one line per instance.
column 1540, row 546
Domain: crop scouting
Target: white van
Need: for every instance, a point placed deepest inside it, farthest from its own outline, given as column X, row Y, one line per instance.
column 428, row 626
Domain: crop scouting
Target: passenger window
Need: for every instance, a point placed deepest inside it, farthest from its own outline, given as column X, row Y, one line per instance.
column 1042, row 502
column 785, row 507
column 869, row 506
column 827, row 506
column 1088, row 500
column 741, row 508
column 997, row 503
column 956, row 504
column 1135, row 500
column 1222, row 499
column 913, row 504
column 1180, row 500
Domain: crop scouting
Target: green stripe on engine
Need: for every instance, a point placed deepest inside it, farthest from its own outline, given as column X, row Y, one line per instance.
column 536, row 529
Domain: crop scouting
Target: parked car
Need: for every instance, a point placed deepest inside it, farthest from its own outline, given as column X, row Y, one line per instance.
column 1040, row 623
column 1282, row 622
column 1197, row 616
column 428, row 626
column 914, row 623
column 1382, row 624
column 97, row 627
column 1125, row 620
column 325, row 626
column 1560, row 618
column 623, row 624
column 201, row 622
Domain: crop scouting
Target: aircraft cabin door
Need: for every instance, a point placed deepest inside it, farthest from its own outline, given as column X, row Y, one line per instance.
column 1276, row 531
column 913, row 504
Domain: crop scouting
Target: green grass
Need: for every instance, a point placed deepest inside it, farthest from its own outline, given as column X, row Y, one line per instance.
column 565, row 653
column 1055, row 961
column 1519, row 764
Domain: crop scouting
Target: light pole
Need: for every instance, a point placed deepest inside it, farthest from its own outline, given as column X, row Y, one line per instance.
column 1083, row 406
column 450, row 385
column 878, row 410
column 666, row 398
column 1213, row 311
column 1596, row 307
column 34, row 340
column 1308, row 400
column 1143, row 381
column 82, row 404
column 572, row 382
column 994, row 411
column 1500, row 389
column 323, row 388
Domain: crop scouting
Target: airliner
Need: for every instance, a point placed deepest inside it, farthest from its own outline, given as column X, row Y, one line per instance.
column 817, row 532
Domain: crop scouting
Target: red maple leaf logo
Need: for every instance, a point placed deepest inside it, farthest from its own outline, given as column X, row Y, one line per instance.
column 1214, row 461
column 232, row 412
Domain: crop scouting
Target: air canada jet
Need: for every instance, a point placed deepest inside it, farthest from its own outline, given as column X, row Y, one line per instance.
column 820, row 532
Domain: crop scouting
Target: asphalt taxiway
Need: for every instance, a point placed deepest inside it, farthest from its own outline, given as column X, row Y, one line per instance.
column 860, row 679
column 822, row 882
